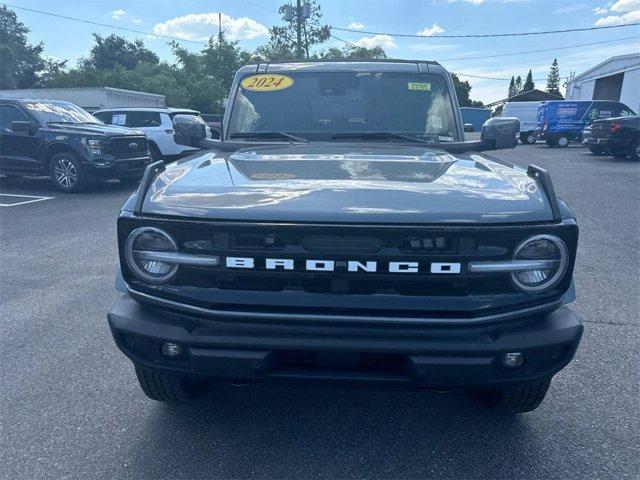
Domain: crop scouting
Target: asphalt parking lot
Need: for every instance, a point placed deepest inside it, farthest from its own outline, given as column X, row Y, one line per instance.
column 70, row 406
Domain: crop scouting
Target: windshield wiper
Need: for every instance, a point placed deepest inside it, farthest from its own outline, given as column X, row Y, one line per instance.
column 379, row 135
column 286, row 135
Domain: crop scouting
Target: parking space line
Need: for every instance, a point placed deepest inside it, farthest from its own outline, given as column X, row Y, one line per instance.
column 33, row 198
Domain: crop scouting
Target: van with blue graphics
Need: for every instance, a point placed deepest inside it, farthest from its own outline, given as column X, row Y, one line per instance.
column 561, row 122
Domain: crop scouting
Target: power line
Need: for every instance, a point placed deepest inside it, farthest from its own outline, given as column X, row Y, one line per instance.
column 536, row 51
column 81, row 20
column 485, row 35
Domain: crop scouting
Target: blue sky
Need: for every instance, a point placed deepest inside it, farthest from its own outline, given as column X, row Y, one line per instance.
column 248, row 22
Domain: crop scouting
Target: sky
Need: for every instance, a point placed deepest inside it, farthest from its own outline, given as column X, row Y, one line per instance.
column 248, row 23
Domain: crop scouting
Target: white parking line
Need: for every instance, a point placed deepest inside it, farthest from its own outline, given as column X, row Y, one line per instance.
column 32, row 198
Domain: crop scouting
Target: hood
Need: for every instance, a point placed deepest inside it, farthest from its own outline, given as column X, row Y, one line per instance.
column 89, row 129
column 347, row 183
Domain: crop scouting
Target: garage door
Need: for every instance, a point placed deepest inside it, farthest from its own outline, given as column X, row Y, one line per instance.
column 608, row 88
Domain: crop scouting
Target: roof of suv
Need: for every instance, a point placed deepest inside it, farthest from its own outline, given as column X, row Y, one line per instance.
column 149, row 109
column 392, row 65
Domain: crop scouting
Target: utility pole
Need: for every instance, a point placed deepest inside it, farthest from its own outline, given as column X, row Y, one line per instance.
column 299, row 27
column 219, row 30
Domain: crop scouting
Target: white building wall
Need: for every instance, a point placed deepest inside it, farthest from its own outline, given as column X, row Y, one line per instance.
column 630, row 94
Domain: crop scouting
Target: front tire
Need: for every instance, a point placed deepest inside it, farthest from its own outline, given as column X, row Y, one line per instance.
column 164, row 388
column 562, row 141
column 527, row 138
column 67, row 173
column 154, row 152
column 519, row 399
column 635, row 152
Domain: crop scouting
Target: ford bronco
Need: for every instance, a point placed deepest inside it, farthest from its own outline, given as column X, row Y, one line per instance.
column 343, row 231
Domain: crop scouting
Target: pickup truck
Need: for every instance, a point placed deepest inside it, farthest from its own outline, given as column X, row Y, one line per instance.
column 343, row 231
column 619, row 136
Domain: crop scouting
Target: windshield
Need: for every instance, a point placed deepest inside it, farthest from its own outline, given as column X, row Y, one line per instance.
column 60, row 112
column 319, row 105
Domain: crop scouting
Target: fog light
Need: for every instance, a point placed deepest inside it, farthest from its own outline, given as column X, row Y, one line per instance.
column 513, row 360
column 171, row 350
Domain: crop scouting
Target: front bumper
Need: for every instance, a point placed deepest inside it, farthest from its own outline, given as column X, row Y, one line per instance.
column 447, row 356
column 120, row 168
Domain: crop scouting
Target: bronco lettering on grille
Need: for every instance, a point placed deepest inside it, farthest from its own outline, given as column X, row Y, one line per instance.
column 250, row 263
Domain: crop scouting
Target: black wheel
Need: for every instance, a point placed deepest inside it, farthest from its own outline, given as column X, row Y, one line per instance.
column 598, row 150
column 67, row 173
column 164, row 388
column 527, row 138
column 635, row 151
column 154, row 151
column 562, row 141
column 520, row 399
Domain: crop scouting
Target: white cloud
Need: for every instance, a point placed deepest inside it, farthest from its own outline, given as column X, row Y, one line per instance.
column 117, row 14
column 475, row 2
column 625, row 6
column 628, row 11
column 137, row 20
column 201, row 26
column 384, row 41
column 630, row 17
column 434, row 30
column 355, row 26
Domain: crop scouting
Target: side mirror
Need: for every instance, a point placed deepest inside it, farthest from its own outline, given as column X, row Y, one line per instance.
column 468, row 127
column 501, row 132
column 22, row 127
column 189, row 130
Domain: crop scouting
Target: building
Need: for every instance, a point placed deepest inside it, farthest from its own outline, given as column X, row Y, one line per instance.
column 475, row 116
column 91, row 99
column 615, row 79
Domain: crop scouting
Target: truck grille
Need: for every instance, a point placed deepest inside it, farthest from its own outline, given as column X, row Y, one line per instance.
column 342, row 290
column 128, row 146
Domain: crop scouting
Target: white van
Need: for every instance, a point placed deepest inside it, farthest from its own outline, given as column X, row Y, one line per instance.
column 527, row 113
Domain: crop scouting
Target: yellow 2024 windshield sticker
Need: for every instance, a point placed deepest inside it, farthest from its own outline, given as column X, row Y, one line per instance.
column 419, row 86
column 266, row 82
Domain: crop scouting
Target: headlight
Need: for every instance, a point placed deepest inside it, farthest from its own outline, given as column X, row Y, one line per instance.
column 144, row 248
column 93, row 146
column 546, row 250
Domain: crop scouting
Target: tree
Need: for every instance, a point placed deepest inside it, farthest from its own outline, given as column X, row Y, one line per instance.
column 463, row 91
column 283, row 41
column 116, row 50
column 354, row 52
column 512, row 87
column 517, row 87
column 553, row 79
column 22, row 65
column 528, row 83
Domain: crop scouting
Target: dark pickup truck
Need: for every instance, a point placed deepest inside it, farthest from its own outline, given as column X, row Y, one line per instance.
column 59, row 139
column 343, row 231
column 619, row 136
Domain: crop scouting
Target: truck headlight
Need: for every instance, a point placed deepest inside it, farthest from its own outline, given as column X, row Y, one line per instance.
column 143, row 250
column 93, row 146
column 547, row 248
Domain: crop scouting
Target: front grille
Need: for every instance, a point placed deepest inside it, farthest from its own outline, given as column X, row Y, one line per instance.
column 461, row 294
column 128, row 146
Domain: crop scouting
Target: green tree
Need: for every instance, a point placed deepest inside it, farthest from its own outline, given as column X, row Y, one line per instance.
column 116, row 50
column 512, row 87
column 22, row 65
column 517, row 87
column 283, row 41
column 553, row 79
column 463, row 91
column 528, row 83
column 353, row 52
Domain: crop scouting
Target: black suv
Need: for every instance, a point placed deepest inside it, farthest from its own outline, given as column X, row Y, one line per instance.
column 343, row 231
column 63, row 141
column 620, row 136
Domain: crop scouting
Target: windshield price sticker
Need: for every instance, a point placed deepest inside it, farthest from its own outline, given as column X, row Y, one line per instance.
column 266, row 82
column 425, row 86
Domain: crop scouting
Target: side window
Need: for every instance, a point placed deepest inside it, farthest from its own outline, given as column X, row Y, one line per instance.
column 104, row 117
column 10, row 114
column 143, row 119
